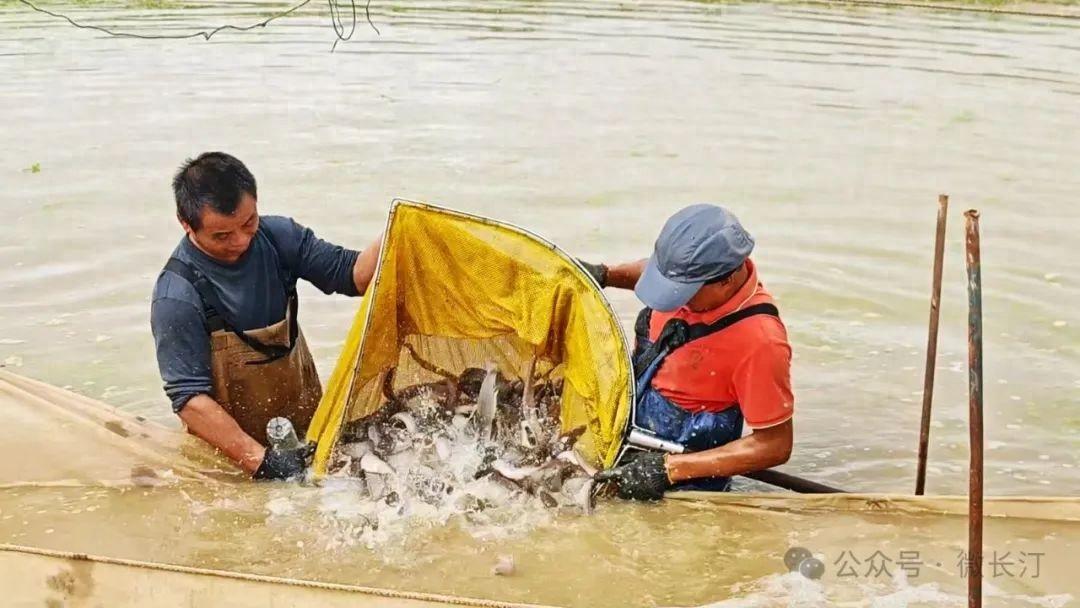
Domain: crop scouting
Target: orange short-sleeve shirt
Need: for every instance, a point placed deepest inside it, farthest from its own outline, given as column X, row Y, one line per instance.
column 746, row 365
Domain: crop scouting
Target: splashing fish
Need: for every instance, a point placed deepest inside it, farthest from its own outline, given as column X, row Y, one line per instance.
column 486, row 403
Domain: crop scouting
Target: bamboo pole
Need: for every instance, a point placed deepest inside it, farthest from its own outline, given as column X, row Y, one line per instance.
column 931, row 344
column 975, row 410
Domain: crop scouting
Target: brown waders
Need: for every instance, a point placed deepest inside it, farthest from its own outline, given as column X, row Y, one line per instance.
column 252, row 391
column 260, row 373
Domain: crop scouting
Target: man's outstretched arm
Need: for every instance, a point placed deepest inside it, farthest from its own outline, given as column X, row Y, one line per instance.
column 207, row 420
column 760, row 450
column 329, row 267
column 623, row 276
column 649, row 475
column 364, row 268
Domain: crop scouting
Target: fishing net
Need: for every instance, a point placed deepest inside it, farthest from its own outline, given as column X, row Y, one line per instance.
column 98, row 507
column 455, row 293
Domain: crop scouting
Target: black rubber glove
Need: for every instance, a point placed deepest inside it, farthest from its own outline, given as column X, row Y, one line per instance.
column 285, row 465
column 598, row 272
column 645, row 478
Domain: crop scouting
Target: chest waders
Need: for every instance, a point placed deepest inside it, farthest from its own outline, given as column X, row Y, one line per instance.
column 262, row 373
column 657, row 424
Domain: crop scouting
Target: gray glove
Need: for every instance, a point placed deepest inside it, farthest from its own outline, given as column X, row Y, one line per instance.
column 645, row 478
column 287, row 465
column 597, row 271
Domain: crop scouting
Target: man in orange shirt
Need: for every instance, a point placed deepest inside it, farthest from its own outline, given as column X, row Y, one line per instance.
column 710, row 352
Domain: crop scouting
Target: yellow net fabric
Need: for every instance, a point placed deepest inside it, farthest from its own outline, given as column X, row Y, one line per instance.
column 454, row 291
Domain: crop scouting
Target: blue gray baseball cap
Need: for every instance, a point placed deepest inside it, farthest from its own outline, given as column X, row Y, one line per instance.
column 698, row 244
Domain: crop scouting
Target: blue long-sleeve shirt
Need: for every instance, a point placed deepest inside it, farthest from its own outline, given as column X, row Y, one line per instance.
column 254, row 290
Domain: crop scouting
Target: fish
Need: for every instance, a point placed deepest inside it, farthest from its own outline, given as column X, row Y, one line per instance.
column 529, row 434
column 469, row 382
column 357, row 450
column 548, row 500
column 382, row 443
column 557, row 474
column 494, row 443
column 585, row 498
column 507, row 485
column 404, row 421
column 574, row 458
column 528, row 398
column 370, row 463
column 443, row 448
column 512, row 472
column 566, row 441
column 538, row 480
column 486, row 403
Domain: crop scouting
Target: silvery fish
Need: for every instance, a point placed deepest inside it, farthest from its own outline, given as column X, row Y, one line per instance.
column 357, row 450
column 486, row 403
column 443, row 448
column 585, row 497
column 528, row 435
column 548, row 500
column 471, row 452
column 528, row 398
column 405, row 421
column 566, row 440
column 370, row 463
column 513, row 473
column 383, row 442
column 574, row 458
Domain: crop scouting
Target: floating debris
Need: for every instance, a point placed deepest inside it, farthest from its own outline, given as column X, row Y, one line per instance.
column 504, row 566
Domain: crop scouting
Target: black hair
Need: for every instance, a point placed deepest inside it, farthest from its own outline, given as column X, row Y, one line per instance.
column 724, row 278
column 213, row 179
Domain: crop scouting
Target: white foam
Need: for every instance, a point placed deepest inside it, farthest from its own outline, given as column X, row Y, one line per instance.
column 796, row 591
column 429, row 486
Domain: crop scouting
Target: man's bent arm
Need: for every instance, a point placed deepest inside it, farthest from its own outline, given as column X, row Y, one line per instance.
column 207, row 420
column 364, row 268
column 762, row 449
column 625, row 276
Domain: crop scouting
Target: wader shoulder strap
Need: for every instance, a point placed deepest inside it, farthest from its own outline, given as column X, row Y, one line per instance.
column 291, row 296
column 700, row 330
column 677, row 332
column 218, row 317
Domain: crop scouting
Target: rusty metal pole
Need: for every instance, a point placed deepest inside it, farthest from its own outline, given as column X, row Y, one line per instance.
column 975, row 410
column 931, row 344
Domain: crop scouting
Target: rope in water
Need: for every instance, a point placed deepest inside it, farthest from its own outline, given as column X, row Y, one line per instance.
column 336, row 21
column 262, row 578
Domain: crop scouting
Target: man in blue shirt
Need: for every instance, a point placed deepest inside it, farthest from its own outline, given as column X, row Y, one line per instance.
column 224, row 309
